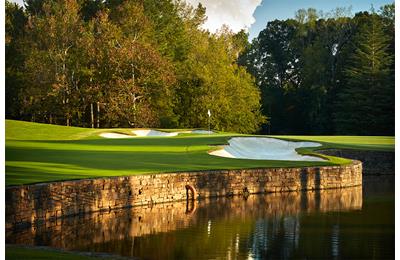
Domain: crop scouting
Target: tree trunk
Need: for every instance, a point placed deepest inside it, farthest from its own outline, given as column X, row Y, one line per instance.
column 98, row 114
column 91, row 114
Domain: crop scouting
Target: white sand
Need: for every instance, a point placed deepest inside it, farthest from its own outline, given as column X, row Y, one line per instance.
column 260, row 148
column 115, row 135
column 149, row 132
column 202, row 132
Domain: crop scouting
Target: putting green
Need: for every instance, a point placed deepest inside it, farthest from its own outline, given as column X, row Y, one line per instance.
column 41, row 153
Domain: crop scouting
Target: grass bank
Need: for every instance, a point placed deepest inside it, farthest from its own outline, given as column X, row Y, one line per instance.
column 17, row 252
column 42, row 153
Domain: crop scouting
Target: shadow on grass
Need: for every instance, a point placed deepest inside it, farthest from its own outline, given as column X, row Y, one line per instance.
column 144, row 141
column 27, row 165
column 40, row 161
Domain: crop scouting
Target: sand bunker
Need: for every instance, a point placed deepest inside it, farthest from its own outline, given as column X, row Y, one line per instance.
column 115, row 135
column 202, row 132
column 148, row 132
column 260, row 148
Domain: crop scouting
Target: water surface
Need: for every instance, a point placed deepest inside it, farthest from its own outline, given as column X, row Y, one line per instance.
column 350, row 223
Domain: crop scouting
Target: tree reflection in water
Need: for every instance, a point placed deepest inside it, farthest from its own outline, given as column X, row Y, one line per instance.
column 314, row 224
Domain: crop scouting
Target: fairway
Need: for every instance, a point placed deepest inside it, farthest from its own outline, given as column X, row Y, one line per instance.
column 42, row 153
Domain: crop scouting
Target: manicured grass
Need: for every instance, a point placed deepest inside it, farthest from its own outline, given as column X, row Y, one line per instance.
column 380, row 143
column 42, row 153
column 20, row 130
column 21, row 252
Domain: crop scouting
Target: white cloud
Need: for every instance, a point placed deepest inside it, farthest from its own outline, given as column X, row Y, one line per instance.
column 20, row 2
column 237, row 14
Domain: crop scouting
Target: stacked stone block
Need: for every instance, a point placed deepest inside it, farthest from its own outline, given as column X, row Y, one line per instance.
column 30, row 204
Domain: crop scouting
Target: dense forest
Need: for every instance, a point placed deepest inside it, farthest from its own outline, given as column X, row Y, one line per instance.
column 122, row 63
column 149, row 63
column 326, row 73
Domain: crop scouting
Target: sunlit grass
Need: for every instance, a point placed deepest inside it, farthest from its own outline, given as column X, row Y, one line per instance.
column 349, row 142
column 42, row 153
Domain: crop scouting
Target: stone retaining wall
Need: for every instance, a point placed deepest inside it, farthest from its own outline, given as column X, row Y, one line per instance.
column 30, row 204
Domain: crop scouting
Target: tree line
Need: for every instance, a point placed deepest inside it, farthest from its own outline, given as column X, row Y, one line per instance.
column 118, row 63
column 326, row 73
column 148, row 63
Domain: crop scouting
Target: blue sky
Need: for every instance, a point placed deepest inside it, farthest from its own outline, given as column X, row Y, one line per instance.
column 255, row 14
column 270, row 10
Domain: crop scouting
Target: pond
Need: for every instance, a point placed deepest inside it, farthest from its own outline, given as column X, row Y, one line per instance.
column 346, row 223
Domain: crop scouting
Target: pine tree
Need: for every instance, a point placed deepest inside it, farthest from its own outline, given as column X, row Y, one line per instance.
column 366, row 104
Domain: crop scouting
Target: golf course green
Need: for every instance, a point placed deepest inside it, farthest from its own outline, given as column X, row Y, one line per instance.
column 41, row 153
